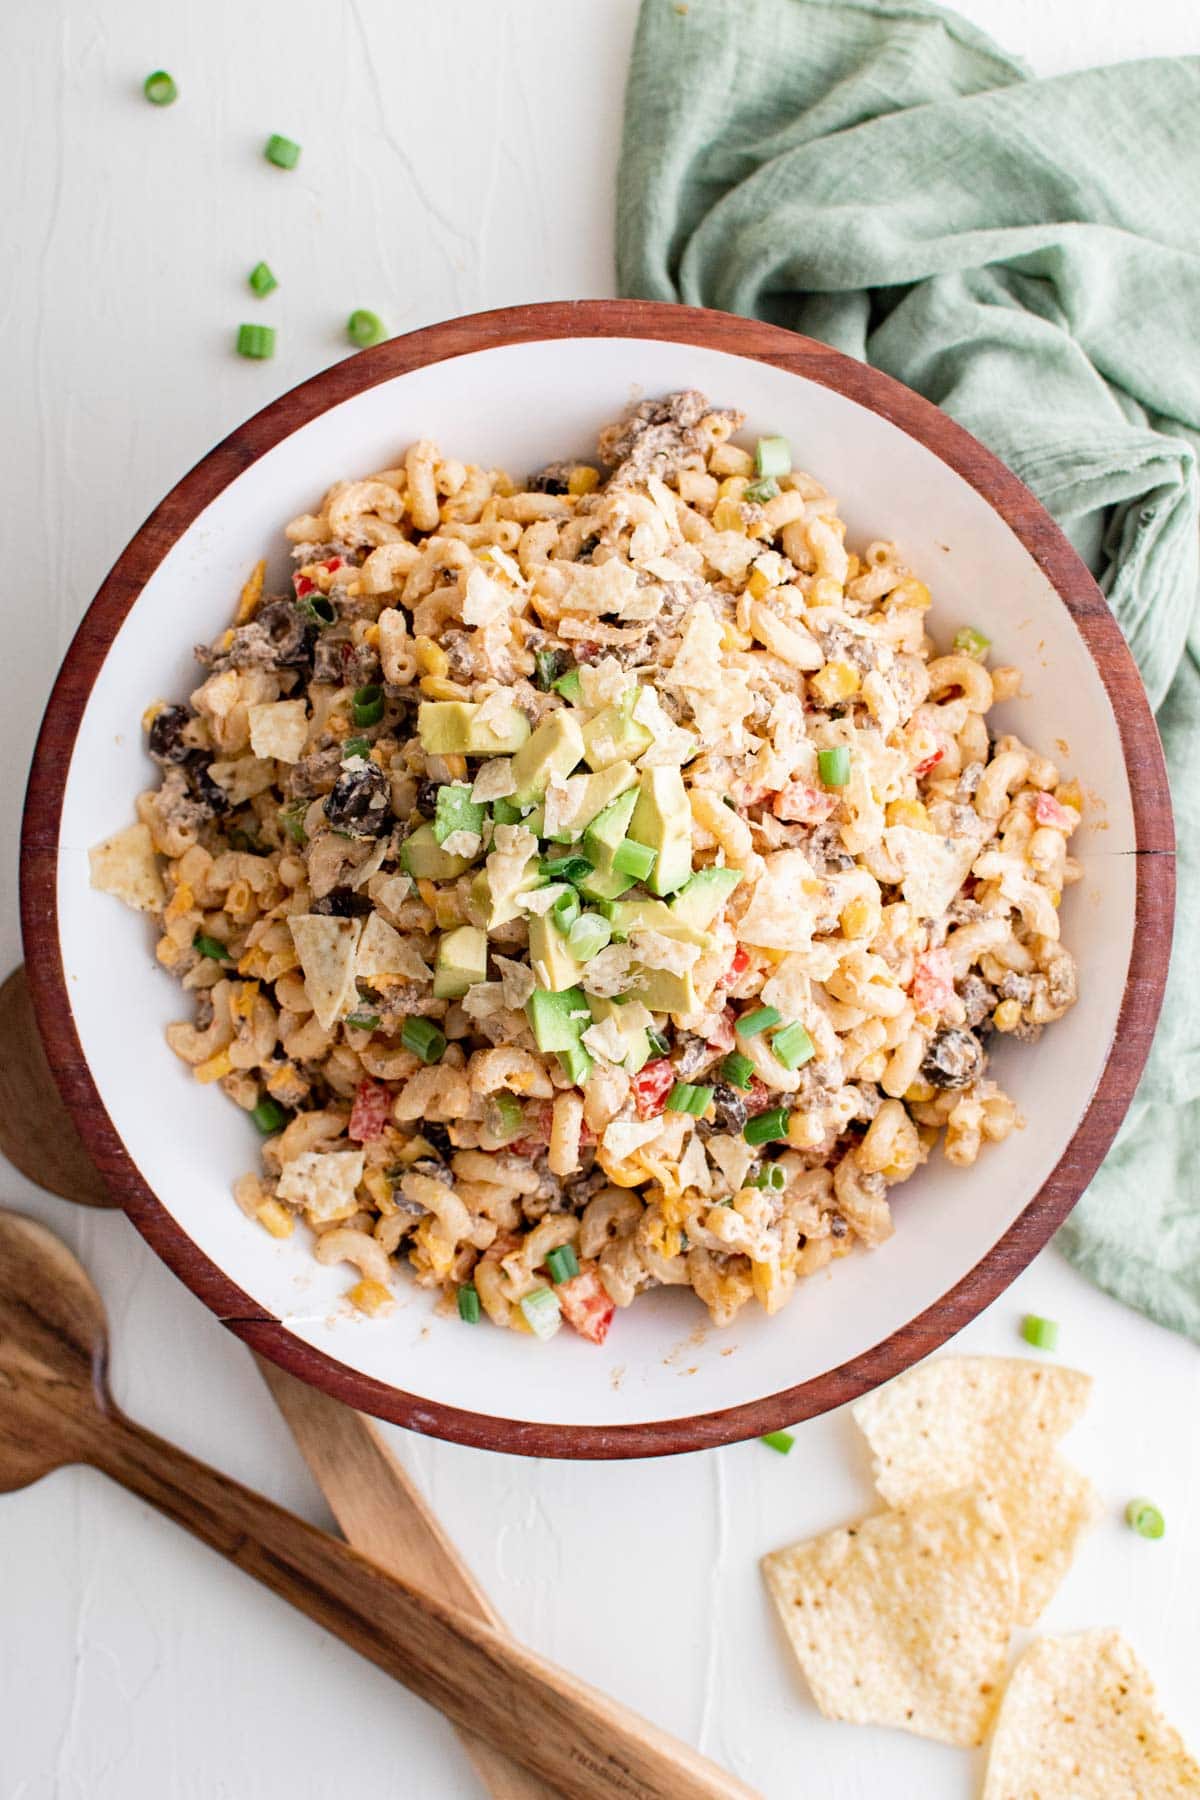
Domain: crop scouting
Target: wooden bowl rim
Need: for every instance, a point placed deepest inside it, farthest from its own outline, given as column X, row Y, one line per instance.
column 1040, row 536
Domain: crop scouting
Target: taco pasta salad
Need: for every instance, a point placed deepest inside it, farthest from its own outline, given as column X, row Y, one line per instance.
column 597, row 882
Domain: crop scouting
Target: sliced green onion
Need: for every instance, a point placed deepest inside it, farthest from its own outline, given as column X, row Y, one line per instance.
column 543, row 1315
column 759, row 492
column 792, row 1046
column 257, row 341
column 1145, row 1518
column 159, row 88
column 468, row 1304
column 570, row 686
column 772, row 456
column 738, row 1070
column 563, row 1264
column 366, row 705
column 262, row 280
column 505, row 813
column 767, row 1127
column 292, row 819
column 268, row 1115
column 834, row 766
column 566, row 868
column 355, row 746
column 565, row 911
column 424, row 1039
column 778, row 1440
column 576, row 1064
column 281, row 151
column 657, row 1042
column 546, row 663
column 762, row 1019
column 1041, row 1333
column 208, row 946
column 365, row 328
column 773, row 1178
column 318, row 609
column 363, row 1021
column 632, row 858
column 972, row 643
column 503, row 1116
column 588, row 935
column 684, row 1098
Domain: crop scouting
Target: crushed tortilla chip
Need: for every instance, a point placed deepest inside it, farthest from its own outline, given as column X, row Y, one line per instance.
column 383, row 952
column 990, row 1422
column 1080, row 1722
column 904, row 1619
column 125, row 866
column 326, row 947
column 279, row 728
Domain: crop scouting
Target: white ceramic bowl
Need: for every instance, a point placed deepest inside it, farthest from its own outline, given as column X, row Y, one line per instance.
column 517, row 390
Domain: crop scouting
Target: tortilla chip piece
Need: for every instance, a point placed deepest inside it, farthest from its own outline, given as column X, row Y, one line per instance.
column 989, row 1422
column 904, row 1619
column 126, row 866
column 279, row 728
column 383, row 952
column 1080, row 1722
column 326, row 947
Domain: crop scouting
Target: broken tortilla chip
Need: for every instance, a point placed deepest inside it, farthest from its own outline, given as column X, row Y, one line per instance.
column 126, row 866
column 326, row 947
column 1080, row 1722
column 904, row 1619
column 989, row 1422
column 382, row 953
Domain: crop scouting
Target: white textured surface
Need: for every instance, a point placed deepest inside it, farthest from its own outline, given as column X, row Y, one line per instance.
column 458, row 154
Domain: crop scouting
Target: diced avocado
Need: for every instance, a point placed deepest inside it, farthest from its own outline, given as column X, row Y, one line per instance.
column 628, row 916
column 615, row 735
column 663, row 820
column 664, row 991
column 550, row 1018
column 591, row 794
column 576, row 1063
column 422, row 857
column 638, row 1053
column 495, row 903
column 600, row 842
column 554, row 749
column 461, row 962
column 536, row 821
column 456, row 811
column 700, row 900
column 452, row 728
column 505, row 813
column 552, row 963
column 601, row 886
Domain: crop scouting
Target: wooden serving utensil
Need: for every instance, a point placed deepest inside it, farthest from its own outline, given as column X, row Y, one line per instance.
column 56, row 1408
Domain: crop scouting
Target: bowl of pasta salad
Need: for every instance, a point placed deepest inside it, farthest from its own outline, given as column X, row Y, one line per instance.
column 626, row 822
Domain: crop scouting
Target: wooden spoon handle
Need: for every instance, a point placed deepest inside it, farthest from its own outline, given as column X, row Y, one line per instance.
column 579, row 1741
column 385, row 1517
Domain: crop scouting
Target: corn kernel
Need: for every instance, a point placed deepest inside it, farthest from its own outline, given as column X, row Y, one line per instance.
column 836, row 681
column 518, row 1321
column 151, row 713
column 250, row 595
column 582, row 479
column 436, row 687
column 908, row 812
column 214, row 1068
column 872, row 1067
column 456, row 767
column 431, row 658
column 825, row 591
column 428, row 893
column 911, row 593
column 379, row 1188
column 275, row 1218
column 168, row 953
column 732, row 638
column 759, row 584
column 226, row 640
column 859, row 918
column 727, row 516
column 181, row 902
column 1007, row 1015
column 732, row 488
column 920, row 1093
column 805, row 1130
column 371, row 636
column 1070, row 794
column 370, row 1297
column 241, row 1003
column 254, row 962
column 411, row 1152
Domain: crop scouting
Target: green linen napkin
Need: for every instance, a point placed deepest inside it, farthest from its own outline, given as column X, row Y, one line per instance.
column 1026, row 253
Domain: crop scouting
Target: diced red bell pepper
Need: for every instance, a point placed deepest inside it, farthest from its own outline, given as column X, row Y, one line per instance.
column 933, row 982
column 722, row 1037
column 303, row 586
column 371, row 1111
column 335, row 562
column 1049, row 811
column 651, row 1087
column 801, row 804
column 586, row 1304
column 758, row 1097
column 738, row 964
column 931, row 762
